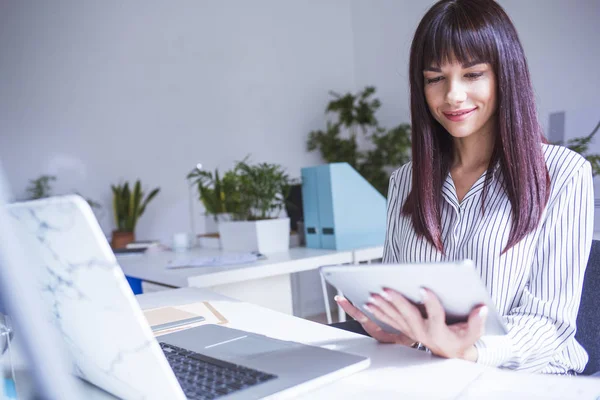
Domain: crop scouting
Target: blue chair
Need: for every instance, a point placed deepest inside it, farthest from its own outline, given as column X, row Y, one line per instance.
column 588, row 319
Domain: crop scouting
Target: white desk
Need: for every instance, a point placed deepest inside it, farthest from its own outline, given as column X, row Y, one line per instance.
column 367, row 254
column 396, row 371
column 265, row 282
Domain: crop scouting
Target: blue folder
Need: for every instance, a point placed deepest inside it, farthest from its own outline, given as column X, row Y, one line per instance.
column 342, row 210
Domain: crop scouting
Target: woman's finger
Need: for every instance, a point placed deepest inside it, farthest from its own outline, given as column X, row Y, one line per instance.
column 387, row 308
column 410, row 313
column 369, row 326
column 381, row 316
column 459, row 327
column 397, row 323
column 436, row 316
column 476, row 324
column 351, row 310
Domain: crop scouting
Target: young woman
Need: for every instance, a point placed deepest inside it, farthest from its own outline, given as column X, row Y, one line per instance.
column 484, row 185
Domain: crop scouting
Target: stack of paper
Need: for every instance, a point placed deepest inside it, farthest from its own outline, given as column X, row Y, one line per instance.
column 214, row 261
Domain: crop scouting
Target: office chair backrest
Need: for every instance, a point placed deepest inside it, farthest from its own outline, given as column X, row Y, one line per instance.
column 588, row 319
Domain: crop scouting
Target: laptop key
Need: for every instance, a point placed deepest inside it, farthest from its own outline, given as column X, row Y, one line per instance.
column 203, row 377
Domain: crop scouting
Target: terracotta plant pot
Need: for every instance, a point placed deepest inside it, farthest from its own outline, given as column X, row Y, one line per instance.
column 121, row 239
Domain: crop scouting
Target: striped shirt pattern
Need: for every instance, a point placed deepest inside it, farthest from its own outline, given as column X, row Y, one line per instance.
column 536, row 285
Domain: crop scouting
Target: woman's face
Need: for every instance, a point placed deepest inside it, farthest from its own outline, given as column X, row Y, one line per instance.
column 462, row 98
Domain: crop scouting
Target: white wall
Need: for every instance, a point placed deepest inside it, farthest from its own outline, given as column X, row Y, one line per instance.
column 95, row 92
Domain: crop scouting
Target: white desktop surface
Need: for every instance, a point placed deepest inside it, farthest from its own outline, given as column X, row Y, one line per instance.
column 396, row 371
column 151, row 266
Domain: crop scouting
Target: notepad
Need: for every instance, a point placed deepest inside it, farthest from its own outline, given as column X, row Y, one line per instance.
column 164, row 315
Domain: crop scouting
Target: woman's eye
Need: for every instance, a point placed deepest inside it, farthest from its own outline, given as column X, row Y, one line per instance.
column 434, row 80
column 474, row 75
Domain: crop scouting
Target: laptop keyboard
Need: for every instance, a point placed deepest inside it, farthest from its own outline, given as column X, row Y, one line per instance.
column 202, row 377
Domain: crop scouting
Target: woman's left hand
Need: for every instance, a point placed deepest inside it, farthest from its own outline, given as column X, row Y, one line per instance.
column 450, row 341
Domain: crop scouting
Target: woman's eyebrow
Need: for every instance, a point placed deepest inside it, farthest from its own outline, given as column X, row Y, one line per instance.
column 465, row 65
column 472, row 63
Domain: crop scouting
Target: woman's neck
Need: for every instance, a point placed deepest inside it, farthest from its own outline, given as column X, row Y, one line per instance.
column 473, row 152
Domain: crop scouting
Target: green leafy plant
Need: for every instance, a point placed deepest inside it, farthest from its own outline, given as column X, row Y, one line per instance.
column 129, row 205
column 581, row 145
column 218, row 195
column 264, row 188
column 40, row 187
column 355, row 114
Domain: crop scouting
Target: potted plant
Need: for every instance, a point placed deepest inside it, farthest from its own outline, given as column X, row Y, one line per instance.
column 353, row 114
column 219, row 196
column 255, row 224
column 128, row 207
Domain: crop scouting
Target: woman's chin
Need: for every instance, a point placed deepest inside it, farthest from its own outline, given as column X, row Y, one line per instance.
column 460, row 134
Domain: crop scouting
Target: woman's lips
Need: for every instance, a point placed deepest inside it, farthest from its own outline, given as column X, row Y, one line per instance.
column 460, row 117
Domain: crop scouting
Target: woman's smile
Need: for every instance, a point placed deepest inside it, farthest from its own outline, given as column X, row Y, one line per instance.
column 459, row 115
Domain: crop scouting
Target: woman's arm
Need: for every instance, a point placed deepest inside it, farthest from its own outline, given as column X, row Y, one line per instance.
column 545, row 318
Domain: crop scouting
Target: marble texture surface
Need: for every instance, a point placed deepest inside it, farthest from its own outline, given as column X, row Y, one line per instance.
column 89, row 301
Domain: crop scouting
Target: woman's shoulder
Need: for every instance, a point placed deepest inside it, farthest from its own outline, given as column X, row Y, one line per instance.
column 563, row 164
column 403, row 173
column 561, row 160
column 401, row 180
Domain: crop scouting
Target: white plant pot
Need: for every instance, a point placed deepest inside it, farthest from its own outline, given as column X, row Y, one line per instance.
column 267, row 236
column 211, row 225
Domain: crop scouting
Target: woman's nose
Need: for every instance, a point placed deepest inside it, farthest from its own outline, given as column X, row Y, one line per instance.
column 456, row 94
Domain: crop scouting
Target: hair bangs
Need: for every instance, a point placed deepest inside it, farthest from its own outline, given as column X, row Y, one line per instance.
column 456, row 38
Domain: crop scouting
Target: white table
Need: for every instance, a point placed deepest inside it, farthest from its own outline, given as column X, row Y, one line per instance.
column 367, row 254
column 265, row 282
column 396, row 371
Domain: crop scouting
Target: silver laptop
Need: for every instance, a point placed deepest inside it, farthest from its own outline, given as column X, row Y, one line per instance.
column 112, row 346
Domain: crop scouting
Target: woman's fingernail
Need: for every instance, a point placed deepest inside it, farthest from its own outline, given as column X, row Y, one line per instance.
column 372, row 299
column 337, row 298
column 366, row 307
column 385, row 295
column 483, row 312
column 424, row 295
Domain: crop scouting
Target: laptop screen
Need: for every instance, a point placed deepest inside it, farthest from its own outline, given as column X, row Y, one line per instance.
column 41, row 346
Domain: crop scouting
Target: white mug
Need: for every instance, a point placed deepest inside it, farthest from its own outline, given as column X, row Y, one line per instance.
column 181, row 241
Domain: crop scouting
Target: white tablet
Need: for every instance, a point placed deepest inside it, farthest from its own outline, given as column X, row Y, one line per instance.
column 457, row 285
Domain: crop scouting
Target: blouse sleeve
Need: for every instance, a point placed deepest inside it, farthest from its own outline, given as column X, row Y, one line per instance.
column 545, row 316
column 393, row 213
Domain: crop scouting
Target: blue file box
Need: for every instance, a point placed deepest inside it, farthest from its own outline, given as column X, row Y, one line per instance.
column 342, row 210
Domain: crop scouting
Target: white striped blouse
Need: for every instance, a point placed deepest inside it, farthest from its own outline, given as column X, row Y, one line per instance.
column 536, row 285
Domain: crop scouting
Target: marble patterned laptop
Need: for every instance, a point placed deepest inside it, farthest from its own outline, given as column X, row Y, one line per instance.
column 89, row 301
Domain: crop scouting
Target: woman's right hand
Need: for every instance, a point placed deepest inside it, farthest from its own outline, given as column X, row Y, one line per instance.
column 371, row 327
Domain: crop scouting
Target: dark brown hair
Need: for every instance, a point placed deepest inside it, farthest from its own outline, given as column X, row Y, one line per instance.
column 465, row 31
